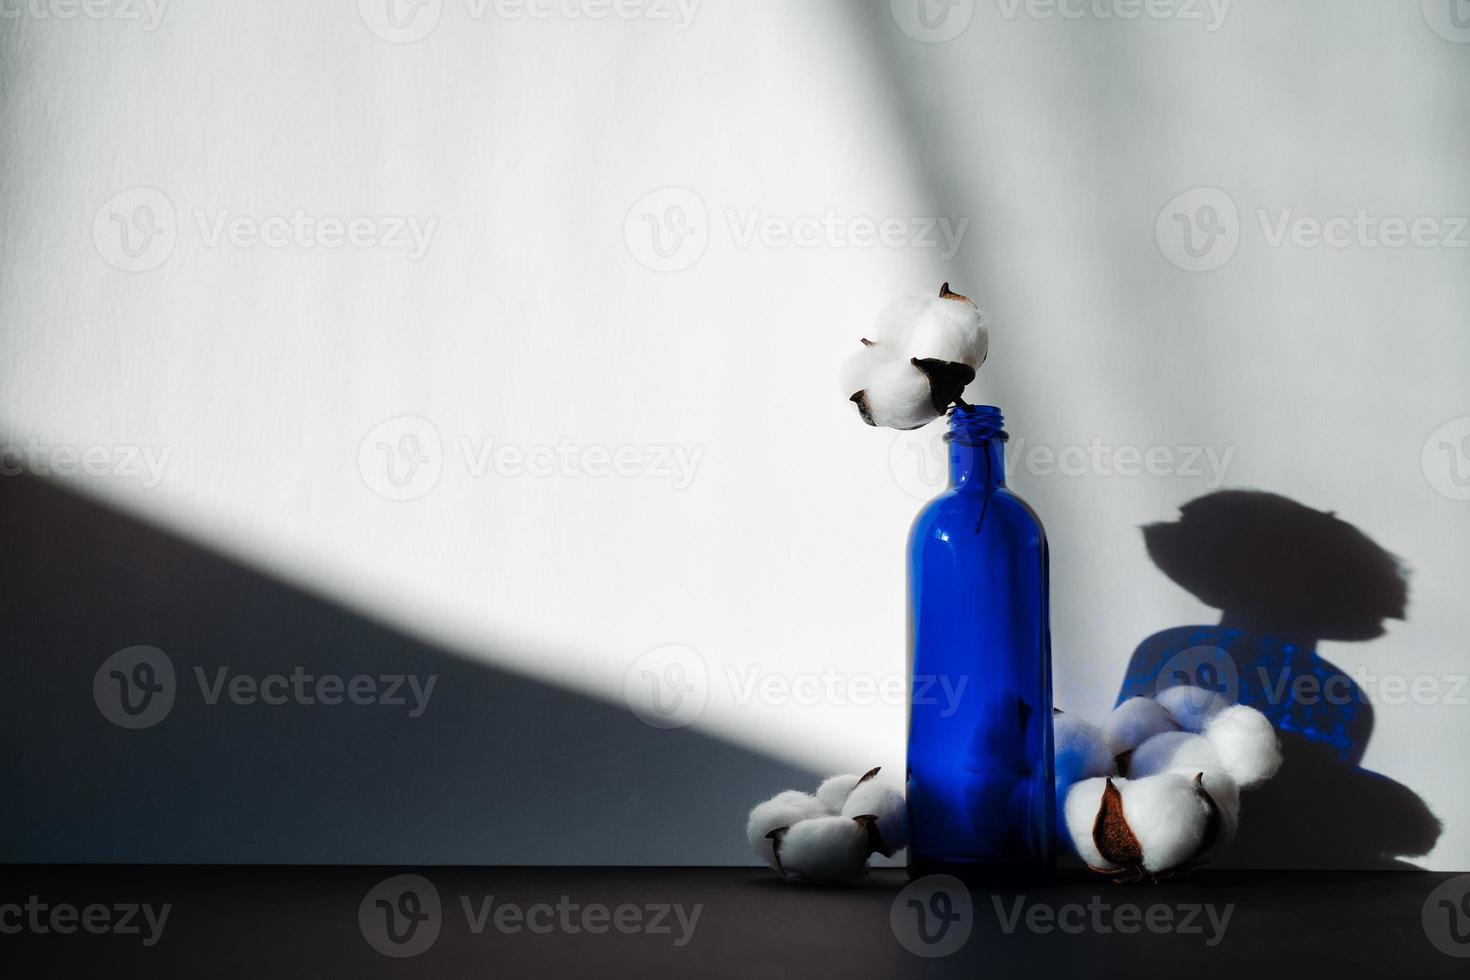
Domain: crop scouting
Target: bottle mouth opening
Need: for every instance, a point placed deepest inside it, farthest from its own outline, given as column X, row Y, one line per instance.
column 973, row 423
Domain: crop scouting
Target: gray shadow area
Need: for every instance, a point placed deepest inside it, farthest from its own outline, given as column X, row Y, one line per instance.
column 498, row 769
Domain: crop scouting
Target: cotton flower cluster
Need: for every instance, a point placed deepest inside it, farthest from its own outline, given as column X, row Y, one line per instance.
column 923, row 352
column 1159, row 782
column 827, row 836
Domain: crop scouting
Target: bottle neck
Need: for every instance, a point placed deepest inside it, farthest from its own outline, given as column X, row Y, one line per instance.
column 977, row 441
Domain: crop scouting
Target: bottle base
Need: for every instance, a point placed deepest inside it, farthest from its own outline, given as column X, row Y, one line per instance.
column 985, row 874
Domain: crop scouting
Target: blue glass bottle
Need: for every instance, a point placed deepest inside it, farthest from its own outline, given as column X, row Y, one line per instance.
column 980, row 792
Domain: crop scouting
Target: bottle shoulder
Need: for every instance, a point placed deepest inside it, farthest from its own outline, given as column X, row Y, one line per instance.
column 965, row 509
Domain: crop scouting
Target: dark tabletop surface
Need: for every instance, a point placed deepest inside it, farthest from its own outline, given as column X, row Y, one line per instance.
column 77, row 921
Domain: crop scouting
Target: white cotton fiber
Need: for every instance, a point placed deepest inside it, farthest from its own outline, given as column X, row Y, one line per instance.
column 1133, row 722
column 782, row 810
column 1191, row 707
column 871, row 798
column 825, row 849
column 1167, row 816
column 1194, row 756
column 1246, row 743
column 945, row 331
column 893, row 392
column 1174, row 752
column 1080, row 750
column 834, row 789
column 950, row 328
column 895, row 324
column 1080, row 816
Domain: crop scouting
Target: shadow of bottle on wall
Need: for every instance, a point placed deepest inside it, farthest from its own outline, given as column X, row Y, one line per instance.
column 1286, row 577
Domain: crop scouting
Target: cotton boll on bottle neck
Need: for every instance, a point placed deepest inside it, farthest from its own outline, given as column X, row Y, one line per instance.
column 976, row 440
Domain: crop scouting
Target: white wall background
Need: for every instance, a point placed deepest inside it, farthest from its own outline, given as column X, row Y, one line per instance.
column 530, row 318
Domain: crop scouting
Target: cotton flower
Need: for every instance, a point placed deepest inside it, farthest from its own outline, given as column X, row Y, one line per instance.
column 1174, row 752
column 1168, row 817
column 1224, row 793
column 827, row 837
column 1185, row 759
column 782, row 810
column 1080, row 817
column 1133, row 722
column 1246, row 743
column 1191, row 707
column 1130, row 827
column 923, row 352
column 1080, row 750
column 1194, row 756
column 890, row 827
column 823, row 849
column 835, row 789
